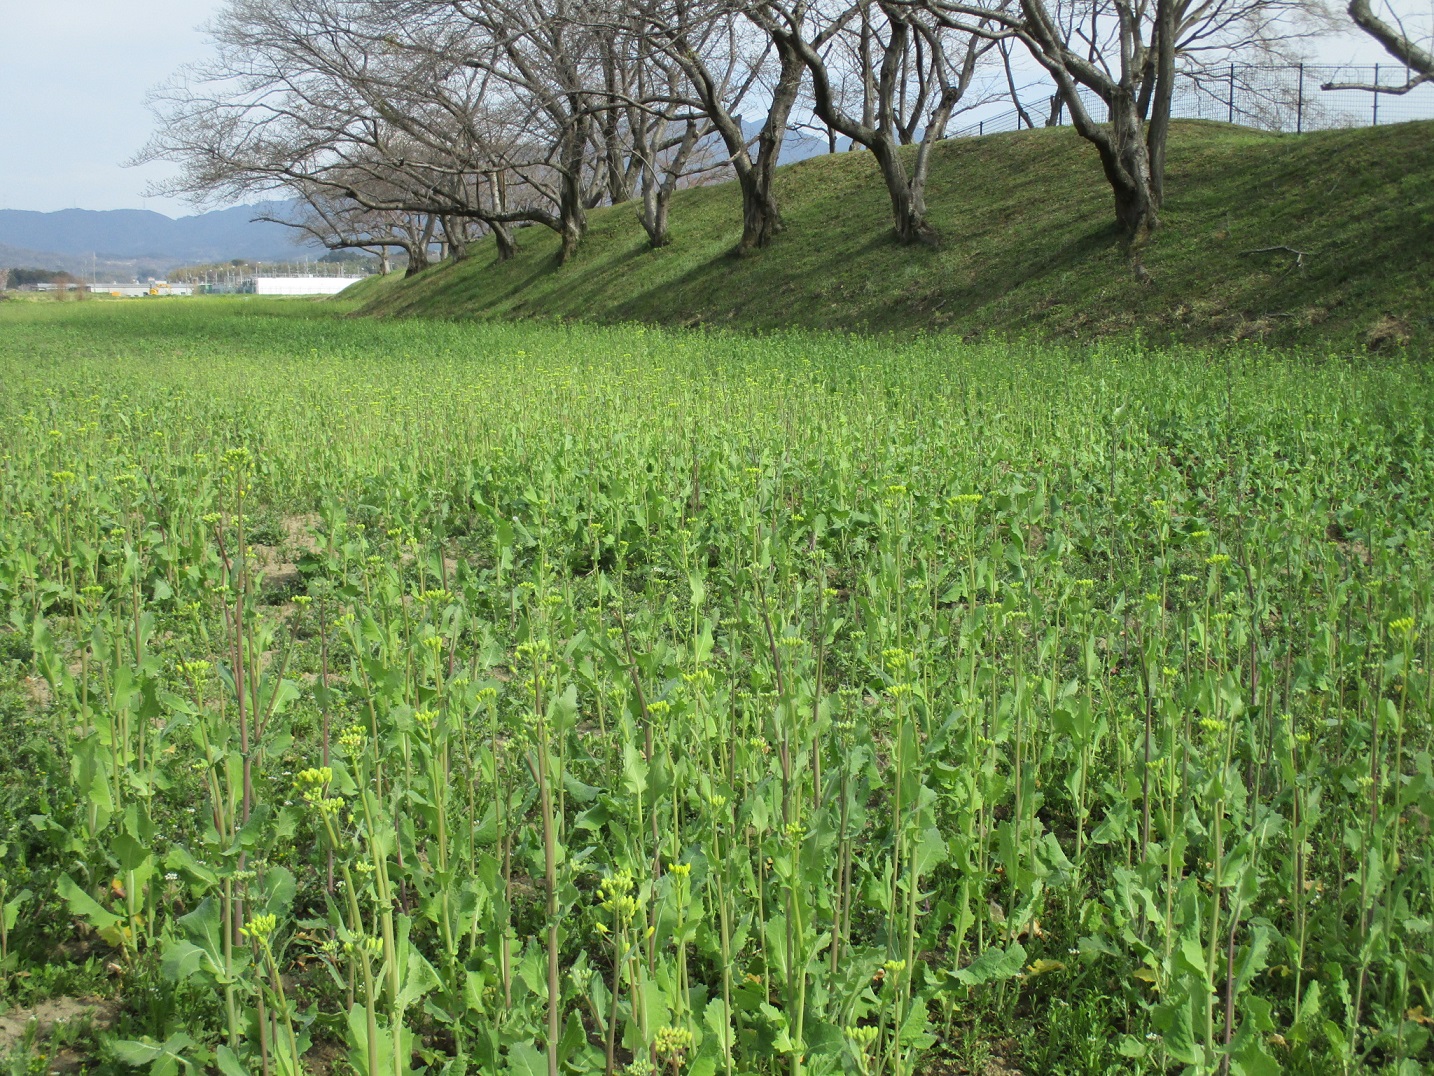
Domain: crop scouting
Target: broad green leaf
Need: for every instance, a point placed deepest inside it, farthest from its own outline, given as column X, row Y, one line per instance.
column 85, row 906
column 525, row 1059
column 993, row 966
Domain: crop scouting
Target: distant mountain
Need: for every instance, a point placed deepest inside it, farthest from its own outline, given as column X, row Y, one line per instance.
column 797, row 145
column 82, row 266
column 138, row 237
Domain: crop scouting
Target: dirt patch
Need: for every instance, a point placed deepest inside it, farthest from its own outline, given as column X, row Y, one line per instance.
column 39, row 693
column 49, row 1014
column 282, row 580
column 325, row 1057
column 278, row 578
column 999, row 1066
column 277, row 564
column 1387, row 334
column 299, row 532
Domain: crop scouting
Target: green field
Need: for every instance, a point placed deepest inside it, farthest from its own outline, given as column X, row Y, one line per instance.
column 415, row 696
column 1028, row 248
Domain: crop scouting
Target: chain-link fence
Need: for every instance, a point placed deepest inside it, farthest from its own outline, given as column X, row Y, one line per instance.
column 1287, row 98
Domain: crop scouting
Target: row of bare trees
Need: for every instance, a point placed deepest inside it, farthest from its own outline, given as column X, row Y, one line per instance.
column 409, row 124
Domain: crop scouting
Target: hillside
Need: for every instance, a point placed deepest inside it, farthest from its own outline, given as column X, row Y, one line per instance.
column 1028, row 247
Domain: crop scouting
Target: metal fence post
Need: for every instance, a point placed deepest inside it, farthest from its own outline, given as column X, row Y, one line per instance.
column 1300, row 104
column 1375, row 95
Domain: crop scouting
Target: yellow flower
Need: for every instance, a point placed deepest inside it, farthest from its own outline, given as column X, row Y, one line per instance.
column 259, row 927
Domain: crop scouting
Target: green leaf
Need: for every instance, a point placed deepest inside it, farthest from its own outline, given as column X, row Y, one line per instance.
column 283, row 695
column 1307, row 1020
column 252, row 830
column 229, row 1062
column 1177, row 1030
column 525, row 1059
column 137, row 1051
column 128, row 852
column 12, row 907
column 577, row 790
column 916, row 1028
column 929, row 852
column 180, row 861
column 715, row 1017
column 563, row 711
column 164, row 1058
column 1248, row 1056
column 181, row 960
column 634, row 770
column 574, row 1038
column 200, row 948
column 85, row 906
column 993, row 966
column 279, row 890
column 359, row 1045
column 419, row 978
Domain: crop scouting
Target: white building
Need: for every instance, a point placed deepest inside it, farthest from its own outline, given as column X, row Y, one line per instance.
column 133, row 291
column 301, row 285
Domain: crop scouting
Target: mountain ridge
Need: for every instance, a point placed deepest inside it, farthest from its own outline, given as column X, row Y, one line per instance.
column 76, row 239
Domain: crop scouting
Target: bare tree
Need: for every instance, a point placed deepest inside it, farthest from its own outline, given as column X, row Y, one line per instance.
column 543, row 54
column 1123, row 56
column 912, row 71
column 729, row 64
column 405, row 123
column 319, row 95
column 651, row 135
column 340, row 224
column 1389, row 30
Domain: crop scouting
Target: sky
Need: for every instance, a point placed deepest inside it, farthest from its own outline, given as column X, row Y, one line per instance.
column 73, row 79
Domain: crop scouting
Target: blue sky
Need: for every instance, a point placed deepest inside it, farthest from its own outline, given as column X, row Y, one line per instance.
column 74, row 74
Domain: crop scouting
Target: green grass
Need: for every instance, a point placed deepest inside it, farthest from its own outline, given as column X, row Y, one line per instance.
column 1028, row 248
column 852, row 706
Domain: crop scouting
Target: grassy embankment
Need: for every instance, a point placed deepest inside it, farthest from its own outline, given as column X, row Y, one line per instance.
column 1028, row 247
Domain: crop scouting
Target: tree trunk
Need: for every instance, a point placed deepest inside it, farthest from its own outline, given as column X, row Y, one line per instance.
column 503, row 238
column 907, row 192
column 1126, row 160
column 761, row 218
column 572, row 209
column 619, row 186
column 908, row 199
column 1022, row 116
column 572, row 230
column 417, row 247
column 655, row 201
column 383, row 263
column 455, row 240
column 1158, row 127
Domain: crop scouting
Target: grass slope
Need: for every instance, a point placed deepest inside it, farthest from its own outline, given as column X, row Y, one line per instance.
column 1028, row 246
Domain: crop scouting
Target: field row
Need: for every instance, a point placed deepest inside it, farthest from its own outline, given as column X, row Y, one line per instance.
column 427, row 697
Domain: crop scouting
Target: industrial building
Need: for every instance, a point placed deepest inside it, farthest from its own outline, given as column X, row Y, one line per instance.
column 298, row 285
column 136, row 290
